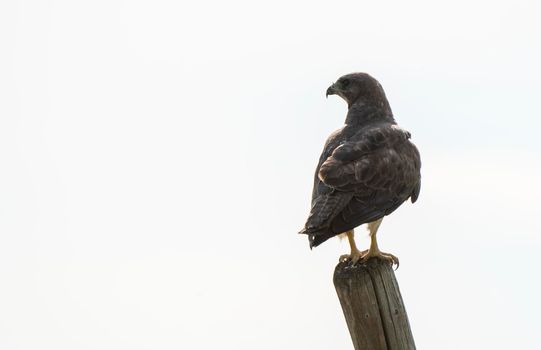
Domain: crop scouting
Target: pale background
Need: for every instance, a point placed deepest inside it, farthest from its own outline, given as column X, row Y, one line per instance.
column 156, row 162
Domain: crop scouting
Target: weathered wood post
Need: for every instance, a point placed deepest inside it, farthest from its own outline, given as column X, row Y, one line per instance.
column 373, row 307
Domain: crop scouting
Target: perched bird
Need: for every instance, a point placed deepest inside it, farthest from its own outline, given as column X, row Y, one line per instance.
column 368, row 168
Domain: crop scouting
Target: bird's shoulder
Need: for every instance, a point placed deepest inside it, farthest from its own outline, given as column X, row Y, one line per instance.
column 379, row 132
column 360, row 141
column 335, row 138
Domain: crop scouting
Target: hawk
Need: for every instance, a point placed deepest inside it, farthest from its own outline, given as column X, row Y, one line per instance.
column 368, row 168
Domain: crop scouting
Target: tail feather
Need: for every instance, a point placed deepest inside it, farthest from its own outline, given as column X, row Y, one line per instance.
column 317, row 239
column 325, row 209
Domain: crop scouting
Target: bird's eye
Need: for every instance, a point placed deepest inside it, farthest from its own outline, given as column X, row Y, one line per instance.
column 345, row 83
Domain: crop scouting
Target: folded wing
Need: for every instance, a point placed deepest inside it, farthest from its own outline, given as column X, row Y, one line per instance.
column 364, row 178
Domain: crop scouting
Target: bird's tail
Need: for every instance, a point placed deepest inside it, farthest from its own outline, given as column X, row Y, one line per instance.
column 324, row 210
column 316, row 237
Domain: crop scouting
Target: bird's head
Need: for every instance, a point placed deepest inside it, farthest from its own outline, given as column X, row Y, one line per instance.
column 359, row 87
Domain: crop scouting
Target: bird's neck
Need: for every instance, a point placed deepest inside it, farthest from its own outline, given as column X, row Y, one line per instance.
column 360, row 113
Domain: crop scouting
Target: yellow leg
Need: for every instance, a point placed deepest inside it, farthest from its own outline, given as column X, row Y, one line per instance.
column 355, row 253
column 374, row 251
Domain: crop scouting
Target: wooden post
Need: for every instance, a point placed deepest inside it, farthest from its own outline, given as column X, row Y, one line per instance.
column 373, row 307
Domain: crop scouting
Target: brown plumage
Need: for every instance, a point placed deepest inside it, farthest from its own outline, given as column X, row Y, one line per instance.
column 368, row 168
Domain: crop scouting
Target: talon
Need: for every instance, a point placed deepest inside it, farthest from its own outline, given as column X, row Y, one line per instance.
column 353, row 258
column 373, row 252
column 384, row 256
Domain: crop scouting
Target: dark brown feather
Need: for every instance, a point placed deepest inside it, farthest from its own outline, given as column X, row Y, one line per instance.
column 366, row 171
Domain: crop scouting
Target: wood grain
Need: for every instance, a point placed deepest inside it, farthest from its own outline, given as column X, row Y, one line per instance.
column 373, row 307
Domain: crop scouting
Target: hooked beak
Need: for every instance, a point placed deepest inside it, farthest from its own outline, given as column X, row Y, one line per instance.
column 330, row 91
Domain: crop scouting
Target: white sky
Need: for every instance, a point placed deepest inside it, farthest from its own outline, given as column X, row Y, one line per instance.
column 156, row 162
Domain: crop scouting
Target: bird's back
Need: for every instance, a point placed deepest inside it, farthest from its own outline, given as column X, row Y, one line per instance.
column 365, row 172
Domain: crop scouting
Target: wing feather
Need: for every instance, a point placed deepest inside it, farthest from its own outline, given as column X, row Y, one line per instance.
column 368, row 176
